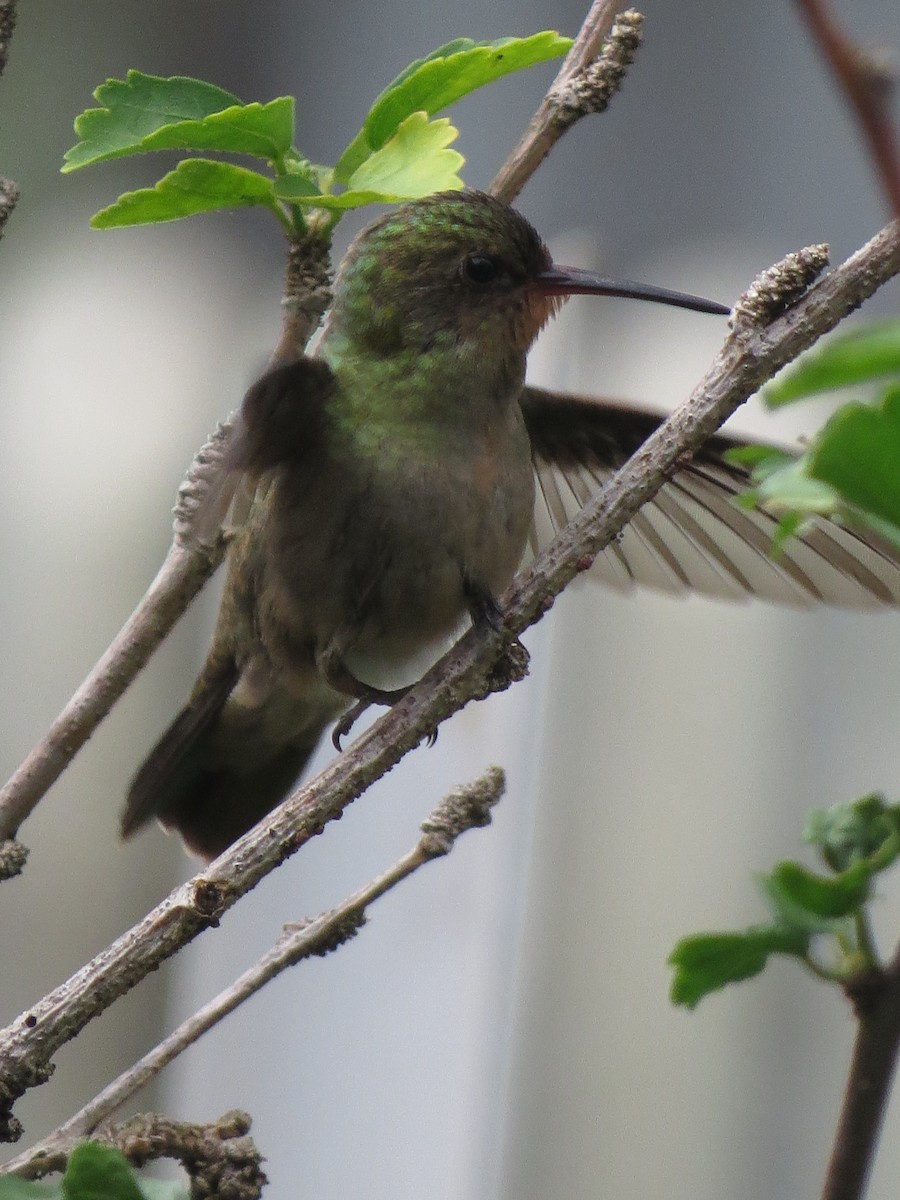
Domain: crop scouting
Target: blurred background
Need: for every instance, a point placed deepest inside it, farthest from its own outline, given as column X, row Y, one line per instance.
column 501, row 1028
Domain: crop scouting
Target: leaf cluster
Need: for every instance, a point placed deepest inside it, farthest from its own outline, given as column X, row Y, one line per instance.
column 851, row 471
column 402, row 152
column 819, row 918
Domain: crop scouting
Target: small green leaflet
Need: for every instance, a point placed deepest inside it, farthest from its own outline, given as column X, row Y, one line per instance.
column 802, row 899
column 196, row 185
column 95, row 1172
column 263, row 130
column 134, row 108
column 867, row 830
column 782, row 481
column 440, row 79
column 869, row 352
column 414, row 162
column 98, row 1172
column 707, row 962
column 858, row 453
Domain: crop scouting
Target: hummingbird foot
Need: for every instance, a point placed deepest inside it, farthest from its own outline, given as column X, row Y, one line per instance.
column 352, row 715
column 346, row 723
column 338, row 675
column 483, row 606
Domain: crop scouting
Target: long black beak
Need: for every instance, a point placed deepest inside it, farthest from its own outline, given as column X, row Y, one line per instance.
column 572, row 281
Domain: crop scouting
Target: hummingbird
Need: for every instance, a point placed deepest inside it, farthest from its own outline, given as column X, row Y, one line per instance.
column 397, row 479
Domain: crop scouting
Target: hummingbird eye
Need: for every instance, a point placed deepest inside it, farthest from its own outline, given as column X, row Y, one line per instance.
column 480, row 268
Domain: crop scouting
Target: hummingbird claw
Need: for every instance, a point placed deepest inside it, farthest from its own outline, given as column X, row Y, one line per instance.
column 346, row 723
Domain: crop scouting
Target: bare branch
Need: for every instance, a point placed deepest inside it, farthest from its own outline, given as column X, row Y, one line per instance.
column 482, row 661
column 867, row 87
column 876, row 998
column 587, row 81
column 466, row 807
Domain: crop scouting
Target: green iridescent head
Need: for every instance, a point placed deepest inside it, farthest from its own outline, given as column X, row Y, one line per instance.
column 452, row 271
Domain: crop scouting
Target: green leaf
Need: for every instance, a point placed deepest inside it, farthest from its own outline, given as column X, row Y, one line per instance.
column 414, row 163
column 706, row 962
column 766, row 458
column 135, row 108
column 867, row 831
column 863, row 355
column 196, row 185
column 858, row 453
column 829, row 897
column 788, row 912
column 790, row 525
column 433, row 83
column 98, row 1172
column 263, row 130
column 784, row 482
column 13, row 1188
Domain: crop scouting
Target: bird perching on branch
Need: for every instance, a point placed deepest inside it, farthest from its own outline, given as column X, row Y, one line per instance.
column 394, row 479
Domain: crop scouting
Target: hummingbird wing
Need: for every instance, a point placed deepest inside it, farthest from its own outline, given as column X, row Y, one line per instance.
column 225, row 761
column 691, row 536
column 277, row 422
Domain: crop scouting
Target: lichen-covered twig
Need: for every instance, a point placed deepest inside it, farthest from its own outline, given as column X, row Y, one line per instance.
column 221, row 1159
column 588, row 79
column 13, row 856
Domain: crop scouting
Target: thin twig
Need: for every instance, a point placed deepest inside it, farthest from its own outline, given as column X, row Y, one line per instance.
column 179, row 579
column 466, row 807
column 876, row 998
column 587, row 81
column 867, row 87
column 481, row 662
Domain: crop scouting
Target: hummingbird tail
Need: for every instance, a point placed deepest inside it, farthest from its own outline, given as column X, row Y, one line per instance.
column 217, row 805
column 193, row 789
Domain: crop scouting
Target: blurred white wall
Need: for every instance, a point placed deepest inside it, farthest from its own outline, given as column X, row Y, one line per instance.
column 501, row 1028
